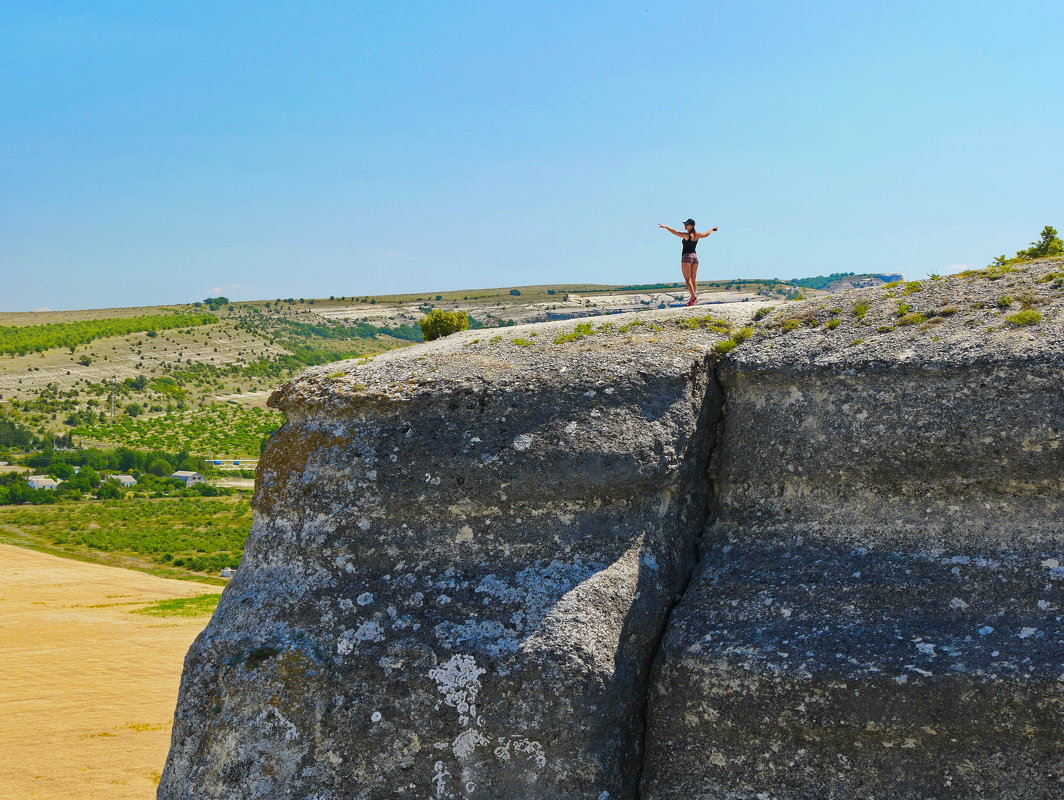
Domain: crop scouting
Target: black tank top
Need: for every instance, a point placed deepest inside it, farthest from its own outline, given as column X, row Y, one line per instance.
column 689, row 245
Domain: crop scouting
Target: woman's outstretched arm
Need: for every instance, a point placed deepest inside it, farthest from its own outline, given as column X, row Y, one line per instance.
column 704, row 235
column 670, row 230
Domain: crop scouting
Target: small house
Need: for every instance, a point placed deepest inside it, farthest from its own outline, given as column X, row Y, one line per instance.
column 188, row 478
column 42, row 482
column 126, row 480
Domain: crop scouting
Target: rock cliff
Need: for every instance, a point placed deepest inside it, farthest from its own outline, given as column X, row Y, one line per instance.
column 878, row 610
column 462, row 560
column 463, row 576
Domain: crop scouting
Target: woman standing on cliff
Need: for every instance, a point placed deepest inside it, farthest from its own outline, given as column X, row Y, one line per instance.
column 689, row 258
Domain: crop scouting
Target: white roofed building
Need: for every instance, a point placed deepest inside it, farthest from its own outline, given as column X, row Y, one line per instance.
column 42, row 482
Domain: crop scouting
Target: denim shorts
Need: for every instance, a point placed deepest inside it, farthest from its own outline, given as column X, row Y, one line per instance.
column 689, row 258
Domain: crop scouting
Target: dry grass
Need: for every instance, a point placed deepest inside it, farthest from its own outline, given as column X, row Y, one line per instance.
column 89, row 688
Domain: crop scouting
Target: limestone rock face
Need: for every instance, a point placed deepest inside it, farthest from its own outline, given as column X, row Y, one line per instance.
column 878, row 610
column 462, row 558
column 472, row 572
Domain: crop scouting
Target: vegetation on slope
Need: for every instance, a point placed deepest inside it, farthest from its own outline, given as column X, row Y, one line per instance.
column 173, row 535
column 222, row 430
column 16, row 437
column 23, row 339
column 1048, row 244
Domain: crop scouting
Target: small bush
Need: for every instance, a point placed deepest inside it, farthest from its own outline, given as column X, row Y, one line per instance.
column 912, row 287
column 791, row 325
column 912, row 319
column 437, row 323
column 581, row 330
column 736, row 339
column 996, row 271
column 1026, row 317
column 832, row 324
column 709, row 322
column 1028, row 300
column 860, row 309
column 763, row 312
column 1005, row 301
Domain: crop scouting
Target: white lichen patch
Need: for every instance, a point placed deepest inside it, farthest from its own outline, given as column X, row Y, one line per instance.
column 467, row 741
column 458, row 680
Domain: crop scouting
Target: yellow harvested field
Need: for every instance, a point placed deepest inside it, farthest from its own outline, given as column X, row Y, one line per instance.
column 88, row 688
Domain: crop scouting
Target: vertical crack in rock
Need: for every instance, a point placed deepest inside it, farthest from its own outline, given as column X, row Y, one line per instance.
column 717, row 399
column 878, row 607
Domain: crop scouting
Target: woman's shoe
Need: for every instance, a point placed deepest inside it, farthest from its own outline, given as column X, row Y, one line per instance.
column 692, row 301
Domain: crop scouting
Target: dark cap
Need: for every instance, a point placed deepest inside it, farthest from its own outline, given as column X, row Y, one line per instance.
column 688, row 222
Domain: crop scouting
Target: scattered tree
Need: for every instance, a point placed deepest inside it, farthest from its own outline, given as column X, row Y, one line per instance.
column 1048, row 244
column 109, row 490
column 160, row 467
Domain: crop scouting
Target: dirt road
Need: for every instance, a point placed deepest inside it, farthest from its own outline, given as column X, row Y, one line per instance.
column 88, row 688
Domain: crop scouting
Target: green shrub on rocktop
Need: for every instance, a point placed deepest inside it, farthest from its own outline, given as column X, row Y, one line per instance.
column 437, row 323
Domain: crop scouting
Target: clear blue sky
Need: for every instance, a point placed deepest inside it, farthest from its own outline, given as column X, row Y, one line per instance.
column 161, row 152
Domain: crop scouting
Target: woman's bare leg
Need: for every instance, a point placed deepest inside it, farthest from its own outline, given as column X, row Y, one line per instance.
column 689, row 272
